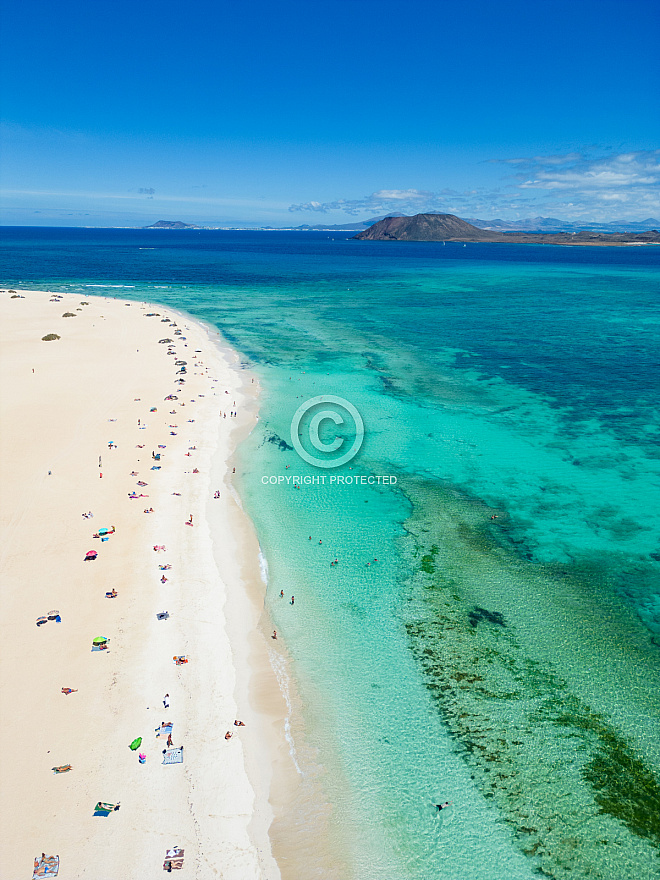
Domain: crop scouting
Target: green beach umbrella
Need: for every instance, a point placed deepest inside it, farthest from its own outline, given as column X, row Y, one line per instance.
column 136, row 743
column 99, row 640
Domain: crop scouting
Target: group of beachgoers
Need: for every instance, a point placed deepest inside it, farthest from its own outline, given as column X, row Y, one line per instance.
column 105, row 533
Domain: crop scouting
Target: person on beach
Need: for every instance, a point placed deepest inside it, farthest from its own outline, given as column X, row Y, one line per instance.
column 274, row 635
column 228, row 735
column 68, row 691
column 281, row 594
column 293, row 599
column 166, row 701
column 169, row 740
column 239, row 724
column 163, row 579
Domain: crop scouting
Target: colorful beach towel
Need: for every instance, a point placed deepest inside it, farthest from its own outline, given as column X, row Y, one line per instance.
column 46, row 866
column 173, row 859
column 165, row 728
column 103, row 809
column 173, row 756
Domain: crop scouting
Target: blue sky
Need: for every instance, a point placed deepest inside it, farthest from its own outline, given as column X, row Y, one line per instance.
column 288, row 112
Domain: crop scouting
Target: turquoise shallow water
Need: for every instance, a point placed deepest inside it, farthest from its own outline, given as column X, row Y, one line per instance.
column 503, row 651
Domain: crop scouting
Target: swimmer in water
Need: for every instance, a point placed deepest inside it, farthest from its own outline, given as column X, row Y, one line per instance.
column 441, row 807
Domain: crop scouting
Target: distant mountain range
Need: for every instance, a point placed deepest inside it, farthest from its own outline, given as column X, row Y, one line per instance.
column 355, row 226
column 448, row 227
column 532, row 224
column 171, row 224
column 551, row 224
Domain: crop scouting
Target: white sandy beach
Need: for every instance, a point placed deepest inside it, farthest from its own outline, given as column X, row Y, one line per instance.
column 63, row 402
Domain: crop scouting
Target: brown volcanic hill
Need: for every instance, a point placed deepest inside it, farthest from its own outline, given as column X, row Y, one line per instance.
column 447, row 227
column 426, row 227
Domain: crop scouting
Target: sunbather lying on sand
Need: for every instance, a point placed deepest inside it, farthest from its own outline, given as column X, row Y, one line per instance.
column 69, row 690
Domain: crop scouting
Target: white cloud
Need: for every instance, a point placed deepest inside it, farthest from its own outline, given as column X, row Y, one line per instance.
column 572, row 186
column 384, row 200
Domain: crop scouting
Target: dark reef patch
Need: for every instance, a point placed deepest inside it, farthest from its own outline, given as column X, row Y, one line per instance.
column 479, row 614
column 279, row 442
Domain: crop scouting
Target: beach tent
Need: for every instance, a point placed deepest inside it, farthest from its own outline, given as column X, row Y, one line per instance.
column 46, row 866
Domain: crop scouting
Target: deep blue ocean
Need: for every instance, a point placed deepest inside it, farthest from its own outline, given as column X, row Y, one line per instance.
column 490, row 632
